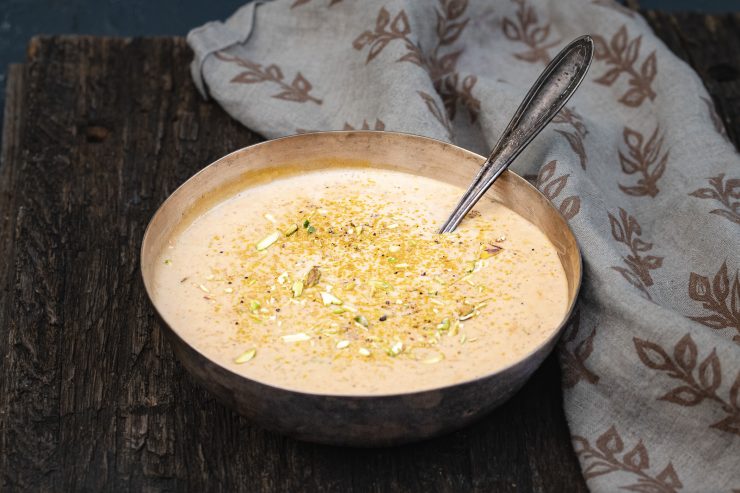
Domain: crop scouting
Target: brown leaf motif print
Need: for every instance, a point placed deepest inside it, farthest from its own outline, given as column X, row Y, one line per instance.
column 297, row 91
column 608, row 456
column 720, row 296
column 379, row 125
column 298, row 3
column 574, row 351
column 621, row 55
column 441, row 63
column 575, row 134
column 645, row 158
column 527, row 29
column 626, row 230
column 726, row 192
column 552, row 187
column 696, row 384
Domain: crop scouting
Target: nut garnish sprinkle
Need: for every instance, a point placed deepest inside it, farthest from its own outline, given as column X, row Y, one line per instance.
column 382, row 284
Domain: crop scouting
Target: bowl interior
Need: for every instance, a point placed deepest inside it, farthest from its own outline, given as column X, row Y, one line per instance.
column 388, row 150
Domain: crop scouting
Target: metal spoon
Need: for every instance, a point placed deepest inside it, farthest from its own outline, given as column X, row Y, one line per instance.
column 554, row 87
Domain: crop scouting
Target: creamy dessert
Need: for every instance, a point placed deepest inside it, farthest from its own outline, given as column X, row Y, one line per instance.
column 336, row 282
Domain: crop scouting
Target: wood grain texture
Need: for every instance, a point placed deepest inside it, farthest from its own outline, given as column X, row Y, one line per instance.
column 711, row 45
column 97, row 133
column 93, row 397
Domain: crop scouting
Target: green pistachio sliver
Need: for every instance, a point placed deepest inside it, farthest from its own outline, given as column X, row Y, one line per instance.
column 254, row 305
column 338, row 310
column 455, row 329
column 306, row 223
column 444, row 325
column 396, row 348
column 167, row 262
column 311, row 229
column 362, row 320
column 299, row 337
column 380, row 284
column 291, row 229
column 433, row 359
column 392, row 260
column 330, row 299
column 313, row 276
column 245, row 356
column 268, row 240
column 297, row 288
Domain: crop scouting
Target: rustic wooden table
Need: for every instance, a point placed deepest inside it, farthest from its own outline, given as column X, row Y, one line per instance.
column 97, row 133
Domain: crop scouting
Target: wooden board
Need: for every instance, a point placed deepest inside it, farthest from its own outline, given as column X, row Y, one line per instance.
column 97, row 133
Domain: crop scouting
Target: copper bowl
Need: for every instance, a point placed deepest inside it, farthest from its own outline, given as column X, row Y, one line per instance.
column 373, row 420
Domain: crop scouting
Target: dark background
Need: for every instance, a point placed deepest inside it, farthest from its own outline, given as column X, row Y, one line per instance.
column 21, row 19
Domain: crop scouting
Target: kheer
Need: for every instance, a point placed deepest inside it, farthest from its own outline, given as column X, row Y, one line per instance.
column 336, row 282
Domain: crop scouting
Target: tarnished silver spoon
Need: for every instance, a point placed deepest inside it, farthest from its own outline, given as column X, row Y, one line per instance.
column 555, row 85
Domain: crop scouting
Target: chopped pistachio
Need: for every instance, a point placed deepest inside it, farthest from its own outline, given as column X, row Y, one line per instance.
column 338, row 310
column 380, row 284
column 444, row 325
column 245, row 356
column 311, row 229
column 433, row 359
column 268, row 240
column 330, row 299
column 299, row 337
column 397, row 348
column 297, row 288
column 291, row 229
column 392, row 260
column 313, row 276
column 306, row 223
column 167, row 261
column 364, row 351
column 342, row 344
column 360, row 319
column 254, row 305
column 454, row 329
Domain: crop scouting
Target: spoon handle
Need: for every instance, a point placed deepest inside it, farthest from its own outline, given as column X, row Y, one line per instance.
column 555, row 85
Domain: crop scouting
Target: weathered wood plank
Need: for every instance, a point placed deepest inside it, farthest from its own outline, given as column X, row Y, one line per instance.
column 710, row 44
column 91, row 396
column 9, row 163
column 94, row 397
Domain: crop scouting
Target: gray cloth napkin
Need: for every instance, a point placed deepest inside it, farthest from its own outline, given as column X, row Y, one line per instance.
column 638, row 163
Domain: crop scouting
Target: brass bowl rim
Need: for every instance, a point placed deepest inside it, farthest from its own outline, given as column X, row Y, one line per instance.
column 403, row 135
